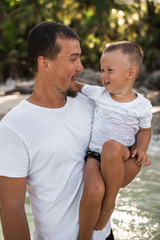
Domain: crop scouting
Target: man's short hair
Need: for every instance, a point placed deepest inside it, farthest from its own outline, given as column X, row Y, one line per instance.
column 42, row 41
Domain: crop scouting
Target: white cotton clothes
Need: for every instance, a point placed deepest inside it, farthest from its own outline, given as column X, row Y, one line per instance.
column 48, row 146
column 114, row 120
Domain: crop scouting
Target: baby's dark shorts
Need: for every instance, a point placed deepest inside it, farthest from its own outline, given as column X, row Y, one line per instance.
column 95, row 155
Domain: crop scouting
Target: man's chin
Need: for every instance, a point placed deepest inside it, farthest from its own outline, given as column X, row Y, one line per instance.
column 71, row 93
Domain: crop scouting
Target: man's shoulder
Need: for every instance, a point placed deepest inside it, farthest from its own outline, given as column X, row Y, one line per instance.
column 14, row 113
column 83, row 102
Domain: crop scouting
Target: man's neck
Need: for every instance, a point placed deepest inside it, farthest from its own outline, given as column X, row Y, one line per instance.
column 48, row 99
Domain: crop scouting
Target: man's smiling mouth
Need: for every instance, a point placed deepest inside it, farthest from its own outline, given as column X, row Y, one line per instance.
column 106, row 83
column 74, row 78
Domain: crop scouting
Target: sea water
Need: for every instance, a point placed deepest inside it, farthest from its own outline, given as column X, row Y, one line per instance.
column 137, row 213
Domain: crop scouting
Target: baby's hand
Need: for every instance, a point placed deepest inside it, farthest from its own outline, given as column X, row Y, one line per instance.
column 142, row 158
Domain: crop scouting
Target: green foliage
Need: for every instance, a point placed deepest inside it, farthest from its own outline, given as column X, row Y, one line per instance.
column 97, row 23
column 151, row 44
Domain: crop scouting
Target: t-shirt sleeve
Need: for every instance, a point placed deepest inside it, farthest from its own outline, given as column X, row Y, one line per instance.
column 93, row 92
column 146, row 115
column 14, row 157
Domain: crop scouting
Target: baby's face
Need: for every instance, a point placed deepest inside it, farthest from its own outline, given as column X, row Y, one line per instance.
column 114, row 71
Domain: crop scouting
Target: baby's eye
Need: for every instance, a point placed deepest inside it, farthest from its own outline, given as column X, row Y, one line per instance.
column 110, row 70
column 102, row 70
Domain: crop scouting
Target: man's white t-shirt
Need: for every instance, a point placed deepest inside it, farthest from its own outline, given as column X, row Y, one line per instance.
column 114, row 120
column 48, row 146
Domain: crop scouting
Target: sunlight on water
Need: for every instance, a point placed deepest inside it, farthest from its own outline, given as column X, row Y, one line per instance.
column 29, row 215
column 135, row 218
column 137, row 215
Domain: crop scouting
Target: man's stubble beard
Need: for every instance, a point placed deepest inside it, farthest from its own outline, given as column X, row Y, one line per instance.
column 71, row 93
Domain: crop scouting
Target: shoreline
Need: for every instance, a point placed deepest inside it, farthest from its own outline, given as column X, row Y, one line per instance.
column 9, row 101
column 13, row 92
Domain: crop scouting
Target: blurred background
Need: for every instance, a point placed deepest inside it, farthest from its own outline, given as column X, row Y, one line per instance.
column 97, row 22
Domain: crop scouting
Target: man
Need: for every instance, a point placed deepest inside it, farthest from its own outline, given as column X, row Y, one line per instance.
column 43, row 142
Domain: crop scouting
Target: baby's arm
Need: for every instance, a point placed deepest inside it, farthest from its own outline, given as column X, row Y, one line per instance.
column 142, row 142
column 80, row 86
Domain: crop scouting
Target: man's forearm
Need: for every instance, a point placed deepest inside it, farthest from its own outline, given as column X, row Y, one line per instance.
column 14, row 224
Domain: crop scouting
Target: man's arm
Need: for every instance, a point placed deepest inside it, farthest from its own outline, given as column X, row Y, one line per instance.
column 12, row 211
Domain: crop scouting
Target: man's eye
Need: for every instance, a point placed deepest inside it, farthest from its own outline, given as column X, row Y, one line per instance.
column 73, row 60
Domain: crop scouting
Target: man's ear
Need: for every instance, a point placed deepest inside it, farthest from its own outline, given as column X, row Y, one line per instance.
column 43, row 64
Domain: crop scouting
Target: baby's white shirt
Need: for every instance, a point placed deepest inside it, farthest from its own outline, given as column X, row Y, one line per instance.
column 114, row 120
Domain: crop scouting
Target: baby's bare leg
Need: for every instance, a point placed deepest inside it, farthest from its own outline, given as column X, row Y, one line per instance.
column 131, row 170
column 93, row 193
column 113, row 171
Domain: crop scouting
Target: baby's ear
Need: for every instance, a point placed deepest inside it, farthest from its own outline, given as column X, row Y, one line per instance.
column 132, row 72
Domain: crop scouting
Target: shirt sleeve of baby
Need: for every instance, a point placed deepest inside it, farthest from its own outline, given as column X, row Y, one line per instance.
column 145, row 115
column 14, row 158
column 91, row 91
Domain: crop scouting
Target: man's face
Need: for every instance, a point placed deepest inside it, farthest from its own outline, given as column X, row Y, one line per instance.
column 66, row 68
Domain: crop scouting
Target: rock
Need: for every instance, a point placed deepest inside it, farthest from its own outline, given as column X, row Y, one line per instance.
column 25, row 87
column 156, row 120
column 141, row 78
column 153, row 96
column 12, row 86
column 143, row 90
column 9, row 85
column 153, row 81
column 10, row 82
column 89, row 76
column 156, row 98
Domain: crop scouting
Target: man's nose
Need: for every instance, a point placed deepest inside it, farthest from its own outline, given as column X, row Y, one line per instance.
column 80, row 67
